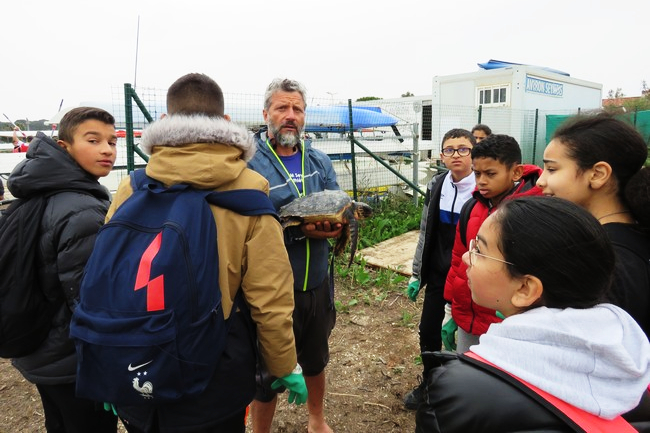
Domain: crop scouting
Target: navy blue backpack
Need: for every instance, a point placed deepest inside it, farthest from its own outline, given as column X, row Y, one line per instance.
column 149, row 327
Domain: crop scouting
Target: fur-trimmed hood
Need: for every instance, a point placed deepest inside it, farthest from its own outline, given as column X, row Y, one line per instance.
column 179, row 129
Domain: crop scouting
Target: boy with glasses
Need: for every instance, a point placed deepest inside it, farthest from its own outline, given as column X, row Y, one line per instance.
column 446, row 194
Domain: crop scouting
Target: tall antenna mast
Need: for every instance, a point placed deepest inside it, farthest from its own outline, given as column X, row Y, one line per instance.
column 137, row 43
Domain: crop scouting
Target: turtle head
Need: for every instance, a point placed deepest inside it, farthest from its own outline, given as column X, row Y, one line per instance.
column 362, row 210
column 290, row 221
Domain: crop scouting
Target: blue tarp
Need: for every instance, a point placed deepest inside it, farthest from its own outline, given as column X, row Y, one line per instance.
column 329, row 118
column 319, row 118
column 497, row 64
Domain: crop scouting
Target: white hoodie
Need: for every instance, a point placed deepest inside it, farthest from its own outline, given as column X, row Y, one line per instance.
column 597, row 359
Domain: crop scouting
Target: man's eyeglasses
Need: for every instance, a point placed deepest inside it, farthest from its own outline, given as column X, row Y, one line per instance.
column 473, row 252
column 462, row 151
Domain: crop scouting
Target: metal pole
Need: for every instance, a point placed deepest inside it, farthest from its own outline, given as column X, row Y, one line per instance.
column 128, row 114
column 535, row 135
column 141, row 106
column 137, row 44
column 480, row 113
column 351, row 135
column 416, row 160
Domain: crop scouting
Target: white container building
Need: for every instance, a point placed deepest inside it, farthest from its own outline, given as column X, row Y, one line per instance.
column 509, row 95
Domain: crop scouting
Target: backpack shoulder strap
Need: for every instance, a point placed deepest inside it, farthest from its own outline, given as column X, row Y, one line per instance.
column 578, row 419
column 139, row 178
column 465, row 212
column 36, row 202
column 248, row 202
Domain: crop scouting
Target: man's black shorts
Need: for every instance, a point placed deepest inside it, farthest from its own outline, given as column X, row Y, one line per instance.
column 314, row 317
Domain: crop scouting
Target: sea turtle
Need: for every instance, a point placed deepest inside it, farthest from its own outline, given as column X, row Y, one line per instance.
column 334, row 206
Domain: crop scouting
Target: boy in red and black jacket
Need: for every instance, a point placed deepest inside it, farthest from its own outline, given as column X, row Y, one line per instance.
column 496, row 162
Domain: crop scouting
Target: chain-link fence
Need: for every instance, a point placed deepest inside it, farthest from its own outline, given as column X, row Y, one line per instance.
column 393, row 145
column 379, row 153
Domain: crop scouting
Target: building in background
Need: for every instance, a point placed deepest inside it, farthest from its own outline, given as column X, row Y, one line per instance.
column 512, row 99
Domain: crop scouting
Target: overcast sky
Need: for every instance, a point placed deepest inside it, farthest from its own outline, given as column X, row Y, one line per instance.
column 86, row 50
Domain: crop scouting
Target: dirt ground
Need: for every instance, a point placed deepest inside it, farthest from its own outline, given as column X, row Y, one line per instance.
column 373, row 349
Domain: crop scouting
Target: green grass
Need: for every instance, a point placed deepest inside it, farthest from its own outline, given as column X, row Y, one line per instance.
column 407, row 319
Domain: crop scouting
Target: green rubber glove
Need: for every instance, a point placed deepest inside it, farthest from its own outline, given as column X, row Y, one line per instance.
column 413, row 289
column 108, row 407
column 295, row 383
column 448, row 334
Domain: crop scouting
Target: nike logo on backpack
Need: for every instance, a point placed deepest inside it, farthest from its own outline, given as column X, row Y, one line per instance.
column 135, row 367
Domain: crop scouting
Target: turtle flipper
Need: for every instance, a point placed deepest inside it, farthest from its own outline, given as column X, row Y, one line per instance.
column 342, row 240
column 353, row 234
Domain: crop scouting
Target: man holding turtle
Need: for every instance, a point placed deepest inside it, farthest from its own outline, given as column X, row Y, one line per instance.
column 295, row 169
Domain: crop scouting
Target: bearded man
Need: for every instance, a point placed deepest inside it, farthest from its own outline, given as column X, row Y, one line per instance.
column 295, row 169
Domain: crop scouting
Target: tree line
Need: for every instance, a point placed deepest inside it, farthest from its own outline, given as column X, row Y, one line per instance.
column 26, row 125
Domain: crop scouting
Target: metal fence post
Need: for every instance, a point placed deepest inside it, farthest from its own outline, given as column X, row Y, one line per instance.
column 131, row 149
column 535, row 135
column 128, row 115
column 352, row 156
column 416, row 161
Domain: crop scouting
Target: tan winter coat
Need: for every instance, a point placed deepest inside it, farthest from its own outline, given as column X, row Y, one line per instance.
column 210, row 153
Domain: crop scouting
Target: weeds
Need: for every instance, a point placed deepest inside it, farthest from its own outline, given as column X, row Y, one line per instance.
column 407, row 319
column 345, row 307
column 388, row 278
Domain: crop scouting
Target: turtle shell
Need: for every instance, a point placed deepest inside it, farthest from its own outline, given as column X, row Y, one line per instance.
column 328, row 205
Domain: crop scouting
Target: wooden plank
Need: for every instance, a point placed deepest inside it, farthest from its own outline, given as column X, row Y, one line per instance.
column 395, row 253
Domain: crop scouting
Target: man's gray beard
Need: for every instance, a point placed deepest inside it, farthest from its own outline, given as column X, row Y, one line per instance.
column 285, row 139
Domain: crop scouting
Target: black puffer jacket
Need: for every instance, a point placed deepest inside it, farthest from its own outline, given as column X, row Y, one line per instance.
column 70, row 223
column 631, row 286
column 462, row 397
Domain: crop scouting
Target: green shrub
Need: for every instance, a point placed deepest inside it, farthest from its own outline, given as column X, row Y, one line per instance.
column 392, row 216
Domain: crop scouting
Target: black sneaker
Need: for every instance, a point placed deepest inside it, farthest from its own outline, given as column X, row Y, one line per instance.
column 413, row 398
